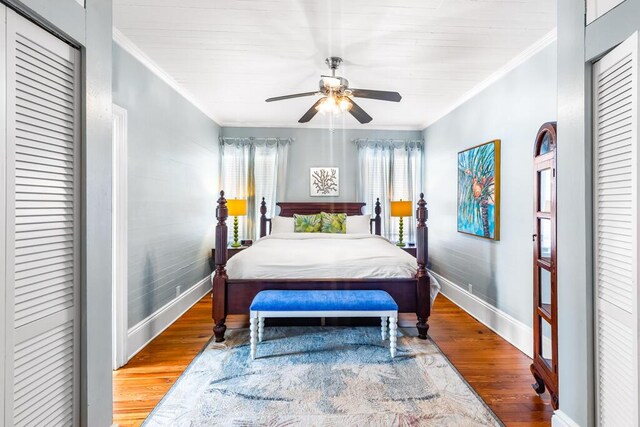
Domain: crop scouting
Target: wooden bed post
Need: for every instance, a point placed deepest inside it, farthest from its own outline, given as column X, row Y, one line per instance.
column 424, row 298
column 377, row 220
column 219, row 309
column 263, row 218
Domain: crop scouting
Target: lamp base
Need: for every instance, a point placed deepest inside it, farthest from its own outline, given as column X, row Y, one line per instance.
column 401, row 244
column 236, row 243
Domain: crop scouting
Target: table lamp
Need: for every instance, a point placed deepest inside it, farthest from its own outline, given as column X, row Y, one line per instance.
column 401, row 208
column 236, row 207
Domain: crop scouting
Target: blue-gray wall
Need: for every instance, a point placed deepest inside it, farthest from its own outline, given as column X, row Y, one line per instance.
column 321, row 147
column 172, row 180
column 512, row 110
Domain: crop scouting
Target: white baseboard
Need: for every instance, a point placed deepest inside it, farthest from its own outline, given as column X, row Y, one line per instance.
column 560, row 419
column 509, row 328
column 141, row 334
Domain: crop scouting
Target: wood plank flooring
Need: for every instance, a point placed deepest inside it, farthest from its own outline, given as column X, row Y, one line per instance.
column 497, row 371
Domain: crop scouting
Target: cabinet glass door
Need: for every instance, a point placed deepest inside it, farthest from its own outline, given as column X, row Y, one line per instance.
column 545, row 363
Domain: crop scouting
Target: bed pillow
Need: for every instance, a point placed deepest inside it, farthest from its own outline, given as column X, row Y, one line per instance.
column 282, row 224
column 358, row 224
column 307, row 223
column 334, row 222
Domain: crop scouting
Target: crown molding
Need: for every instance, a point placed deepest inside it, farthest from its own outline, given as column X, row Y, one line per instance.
column 133, row 49
column 518, row 60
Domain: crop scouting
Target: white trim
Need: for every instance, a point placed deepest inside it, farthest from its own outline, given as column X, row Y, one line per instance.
column 521, row 58
column 119, row 230
column 144, row 332
column 509, row 328
column 125, row 43
column 560, row 419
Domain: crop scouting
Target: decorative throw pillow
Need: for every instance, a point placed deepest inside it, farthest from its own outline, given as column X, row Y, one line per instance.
column 334, row 223
column 307, row 223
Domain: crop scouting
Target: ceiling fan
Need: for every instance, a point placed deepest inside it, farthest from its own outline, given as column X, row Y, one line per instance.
column 336, row 96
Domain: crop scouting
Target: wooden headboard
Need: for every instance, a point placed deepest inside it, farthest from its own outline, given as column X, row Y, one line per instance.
column 305, row 208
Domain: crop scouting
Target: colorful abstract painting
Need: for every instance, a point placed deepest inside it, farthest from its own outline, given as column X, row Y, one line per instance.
column 479, row 190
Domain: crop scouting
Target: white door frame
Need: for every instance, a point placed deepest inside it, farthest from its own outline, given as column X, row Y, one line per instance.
column 119, row 320
column 3, row 204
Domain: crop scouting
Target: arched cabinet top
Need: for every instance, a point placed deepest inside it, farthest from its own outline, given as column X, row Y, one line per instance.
column 546, row 139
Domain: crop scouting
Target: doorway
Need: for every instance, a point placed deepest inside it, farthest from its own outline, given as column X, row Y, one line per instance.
column 119, row 295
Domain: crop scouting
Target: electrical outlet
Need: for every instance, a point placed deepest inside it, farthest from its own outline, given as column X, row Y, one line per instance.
column 470, row 288
column 178, row 290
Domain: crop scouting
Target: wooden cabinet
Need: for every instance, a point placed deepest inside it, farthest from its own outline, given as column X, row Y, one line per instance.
column 230, row 251
column 411, row 250
column 545, row 310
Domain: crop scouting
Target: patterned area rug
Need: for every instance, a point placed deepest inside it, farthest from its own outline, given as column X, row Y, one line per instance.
column 317, row 376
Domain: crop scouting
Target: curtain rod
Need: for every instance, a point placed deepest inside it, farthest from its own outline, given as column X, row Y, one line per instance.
column 388, row 140
column 253, row 138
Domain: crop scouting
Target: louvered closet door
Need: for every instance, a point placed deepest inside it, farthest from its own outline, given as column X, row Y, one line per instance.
column 616, row 234
column 42, row 215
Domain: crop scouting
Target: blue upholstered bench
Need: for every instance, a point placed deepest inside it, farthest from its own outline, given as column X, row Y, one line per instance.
column 338, row 303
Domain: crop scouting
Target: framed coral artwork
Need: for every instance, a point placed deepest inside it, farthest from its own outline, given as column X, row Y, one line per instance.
column 479, row 190
column 324, row 182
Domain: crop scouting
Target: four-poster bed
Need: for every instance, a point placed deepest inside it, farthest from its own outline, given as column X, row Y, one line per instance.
column 232, row 296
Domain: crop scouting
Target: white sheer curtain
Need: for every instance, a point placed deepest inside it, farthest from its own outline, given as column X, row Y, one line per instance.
column 390, row 170
column 253, row 168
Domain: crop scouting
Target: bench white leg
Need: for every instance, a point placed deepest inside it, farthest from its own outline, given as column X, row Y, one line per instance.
column 393, row 326
column 260, row 328
column 383, row 327
column 252, row 334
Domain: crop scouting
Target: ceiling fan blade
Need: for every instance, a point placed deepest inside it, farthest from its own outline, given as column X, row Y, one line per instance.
column 382, row 95
column 295, row 95
column 359, row 113
column 311, row 111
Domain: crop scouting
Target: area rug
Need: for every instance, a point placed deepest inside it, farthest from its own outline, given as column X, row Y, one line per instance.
column 321, row 376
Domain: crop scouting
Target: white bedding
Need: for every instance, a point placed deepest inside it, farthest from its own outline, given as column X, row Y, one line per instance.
column 323, row 256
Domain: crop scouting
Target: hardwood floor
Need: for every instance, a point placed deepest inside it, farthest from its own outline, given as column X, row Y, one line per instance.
column 497, row 371
column 140, row 384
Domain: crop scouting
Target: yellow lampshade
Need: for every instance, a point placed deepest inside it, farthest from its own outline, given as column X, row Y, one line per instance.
column 401, row 208
column 237, row 207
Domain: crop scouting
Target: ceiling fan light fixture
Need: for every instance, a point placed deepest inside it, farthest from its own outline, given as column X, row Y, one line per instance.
column 331, row 82
column 336, row 97
column 345, row 104
column 329, row 105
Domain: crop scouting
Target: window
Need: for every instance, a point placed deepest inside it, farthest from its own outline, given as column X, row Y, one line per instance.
column 265, row 174
column 390, row 170
column 253, row 168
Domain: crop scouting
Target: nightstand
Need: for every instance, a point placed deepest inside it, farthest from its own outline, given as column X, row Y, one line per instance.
column 230, row 251
column 411, row 250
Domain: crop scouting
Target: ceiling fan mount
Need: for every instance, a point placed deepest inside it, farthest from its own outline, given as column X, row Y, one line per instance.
column 333, row 62
column 336, row 96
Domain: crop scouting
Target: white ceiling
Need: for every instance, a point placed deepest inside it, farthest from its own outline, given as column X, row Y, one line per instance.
column 230, row 55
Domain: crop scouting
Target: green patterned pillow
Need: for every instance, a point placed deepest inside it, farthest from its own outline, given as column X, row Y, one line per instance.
column 307, row 223
column 334, row 223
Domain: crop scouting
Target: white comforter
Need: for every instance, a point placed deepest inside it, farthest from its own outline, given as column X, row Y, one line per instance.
column 321, row 256
column 324, row 256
